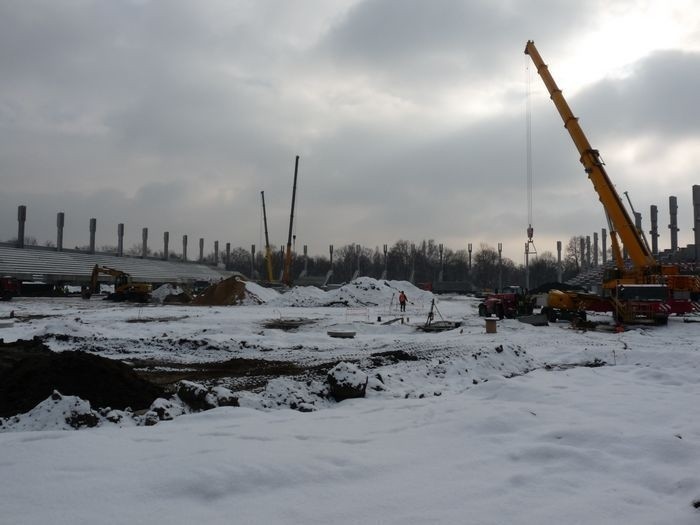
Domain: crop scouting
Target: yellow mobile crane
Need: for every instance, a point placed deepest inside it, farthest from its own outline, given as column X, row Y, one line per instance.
column 647, row 289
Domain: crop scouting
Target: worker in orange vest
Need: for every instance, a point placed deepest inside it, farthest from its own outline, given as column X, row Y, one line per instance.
column 402, row 300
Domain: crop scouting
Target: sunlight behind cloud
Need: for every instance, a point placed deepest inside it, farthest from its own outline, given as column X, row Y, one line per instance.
column 624, row 34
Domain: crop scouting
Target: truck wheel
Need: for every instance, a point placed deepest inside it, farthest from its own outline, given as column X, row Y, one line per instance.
column 482, row 310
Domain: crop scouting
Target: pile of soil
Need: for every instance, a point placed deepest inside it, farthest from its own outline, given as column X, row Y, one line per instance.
column 30, row 372
column 227, row 292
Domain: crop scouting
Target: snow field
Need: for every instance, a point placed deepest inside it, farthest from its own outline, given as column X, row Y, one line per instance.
column 521, row 433
column 542, row 448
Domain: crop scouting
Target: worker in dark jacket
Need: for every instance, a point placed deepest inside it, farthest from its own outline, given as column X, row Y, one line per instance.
column 402, row 300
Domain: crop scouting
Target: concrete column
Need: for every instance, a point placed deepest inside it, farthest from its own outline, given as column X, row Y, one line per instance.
column 673, row 211
column 21, row 220
column 93, row 231
column 696, row 221
column 604, row 244
column 582, row 249
column 60, row 223
column 559, row 268
column 216, row 253
column 201, row 249
column 637, row 223
column 469, row 250
column 329, row 273
column 588, row 251
column 144, row 243
column 120, row 240
column 654, row 232
column 166, row 247
column 281, row 262
column 306, row 260
column 595, row 248
column 184, row 247
column 228, row 254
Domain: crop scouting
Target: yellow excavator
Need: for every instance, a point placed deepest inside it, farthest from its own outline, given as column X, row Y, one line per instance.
column 646, row 290
column 124, row 288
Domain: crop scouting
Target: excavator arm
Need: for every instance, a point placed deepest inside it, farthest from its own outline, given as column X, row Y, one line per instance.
column 622, row 224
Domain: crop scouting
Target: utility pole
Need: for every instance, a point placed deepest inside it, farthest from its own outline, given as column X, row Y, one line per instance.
column 500, row 267
column 386, row 262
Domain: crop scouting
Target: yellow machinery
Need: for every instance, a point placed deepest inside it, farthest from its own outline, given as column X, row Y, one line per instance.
column 645, row 270
column 571, row 306
column 124, row 288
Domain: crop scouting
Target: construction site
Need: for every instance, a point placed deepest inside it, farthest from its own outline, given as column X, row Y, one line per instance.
column 235, row 337
column 638, row 283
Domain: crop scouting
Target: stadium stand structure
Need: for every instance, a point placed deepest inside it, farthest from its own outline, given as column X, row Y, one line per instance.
column 47, row 265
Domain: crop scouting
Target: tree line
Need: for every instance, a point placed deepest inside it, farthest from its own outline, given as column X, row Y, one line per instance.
column 421, row 261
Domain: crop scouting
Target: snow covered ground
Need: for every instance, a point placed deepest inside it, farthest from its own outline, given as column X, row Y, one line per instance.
column 480, row 428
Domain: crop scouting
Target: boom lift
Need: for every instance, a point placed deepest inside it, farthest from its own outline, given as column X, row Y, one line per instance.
column 647, row 290
column 124, row 288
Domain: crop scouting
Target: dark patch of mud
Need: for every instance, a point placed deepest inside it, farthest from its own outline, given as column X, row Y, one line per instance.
column 585, row 364
column 391, row 357
column 156, row 319
column 254, row 371
column 30, row 372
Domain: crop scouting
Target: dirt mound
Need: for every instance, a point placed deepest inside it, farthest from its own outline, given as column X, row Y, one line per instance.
column 26, row 380
column 224, row 293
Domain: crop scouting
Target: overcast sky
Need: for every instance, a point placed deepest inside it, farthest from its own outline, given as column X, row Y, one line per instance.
column 409, row 118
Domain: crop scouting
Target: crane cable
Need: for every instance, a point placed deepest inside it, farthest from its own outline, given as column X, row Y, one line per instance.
column 528, row 154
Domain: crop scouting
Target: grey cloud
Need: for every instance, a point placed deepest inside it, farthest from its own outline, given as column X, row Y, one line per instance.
column 659, row 97
column 415, row 43
column 174, row 115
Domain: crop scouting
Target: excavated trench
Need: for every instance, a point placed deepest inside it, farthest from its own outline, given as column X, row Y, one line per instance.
column 30, row 372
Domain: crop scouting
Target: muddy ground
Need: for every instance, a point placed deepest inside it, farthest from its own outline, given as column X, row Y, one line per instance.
column 30, row 372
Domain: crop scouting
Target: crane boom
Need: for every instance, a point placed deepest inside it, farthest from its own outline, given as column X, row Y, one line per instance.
column 287, row 275
column 268, row 254
column 620, row 220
